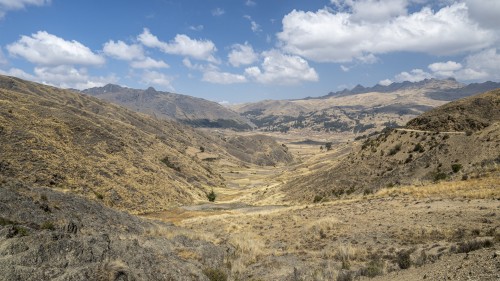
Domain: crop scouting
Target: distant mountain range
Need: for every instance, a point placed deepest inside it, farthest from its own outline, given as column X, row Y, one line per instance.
column 450, row 83
column 357, row 111
column 449, row 89
column 361, row 109
column 189, row 110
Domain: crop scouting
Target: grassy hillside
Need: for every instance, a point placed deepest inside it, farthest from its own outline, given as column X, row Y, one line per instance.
column 468, row 114
column 415, row 157
column 77, row 143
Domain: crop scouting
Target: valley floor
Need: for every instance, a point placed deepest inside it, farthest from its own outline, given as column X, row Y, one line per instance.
column 430, row 229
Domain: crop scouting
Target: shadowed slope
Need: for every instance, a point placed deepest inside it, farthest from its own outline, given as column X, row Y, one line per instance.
column 186, row 109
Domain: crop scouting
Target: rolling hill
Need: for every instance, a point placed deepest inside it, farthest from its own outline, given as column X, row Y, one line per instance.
column 68, row 141
column 189, row 110
column 456, row 141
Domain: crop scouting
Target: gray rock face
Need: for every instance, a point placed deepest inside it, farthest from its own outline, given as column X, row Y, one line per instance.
column 48, row 235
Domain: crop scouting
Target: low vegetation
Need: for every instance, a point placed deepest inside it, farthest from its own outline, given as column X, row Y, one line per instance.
column 456, row 167
column 394, row 150
column 48, row 225
column 211, row 196
column 473, row 245
column 215, row 274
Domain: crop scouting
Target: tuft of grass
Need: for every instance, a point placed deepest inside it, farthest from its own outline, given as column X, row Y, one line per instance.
column 318, row 198
column 346, row 264
column 215, row 274
column 440, row 176
column 473, row 245
column 395, row 149
column 418, row 148
column 48, row 225
column 374, row 268
column 99, row 195
column 345, row 276
column 4, row 221
column 21, row 231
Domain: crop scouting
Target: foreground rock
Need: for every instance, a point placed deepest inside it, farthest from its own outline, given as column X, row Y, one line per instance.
column 47, row 235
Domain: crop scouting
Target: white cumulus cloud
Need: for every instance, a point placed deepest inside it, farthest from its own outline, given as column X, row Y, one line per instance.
column 46, row 49
column 279, row 68
column 242, row 55
column 181, row 45
column 157, row 78
column 133, row 53
column 8, row 5
column 483, row 65
column 385, row 82
column 414, row 75
column 327, row 36
column 480, row 66
column 253, row 24
column 64, row 76
column 445, row 69
column 19, row 73
column 123, row 51
column 217, row 77
column 148, row 63
column 487, row 61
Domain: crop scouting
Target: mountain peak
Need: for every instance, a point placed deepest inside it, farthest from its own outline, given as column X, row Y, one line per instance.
column 151, row 90
column 112, row 88
column 108, row 88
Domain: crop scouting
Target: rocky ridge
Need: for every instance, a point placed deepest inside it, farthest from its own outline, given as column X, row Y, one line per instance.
column 189, row 110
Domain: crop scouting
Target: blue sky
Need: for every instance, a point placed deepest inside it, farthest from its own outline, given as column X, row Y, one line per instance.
column 248, row 50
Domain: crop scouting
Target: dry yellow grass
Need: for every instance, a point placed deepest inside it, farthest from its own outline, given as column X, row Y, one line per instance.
column 249, row 248
column 481, row 188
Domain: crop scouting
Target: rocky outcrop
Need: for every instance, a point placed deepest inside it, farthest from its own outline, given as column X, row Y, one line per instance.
column 48, row 235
